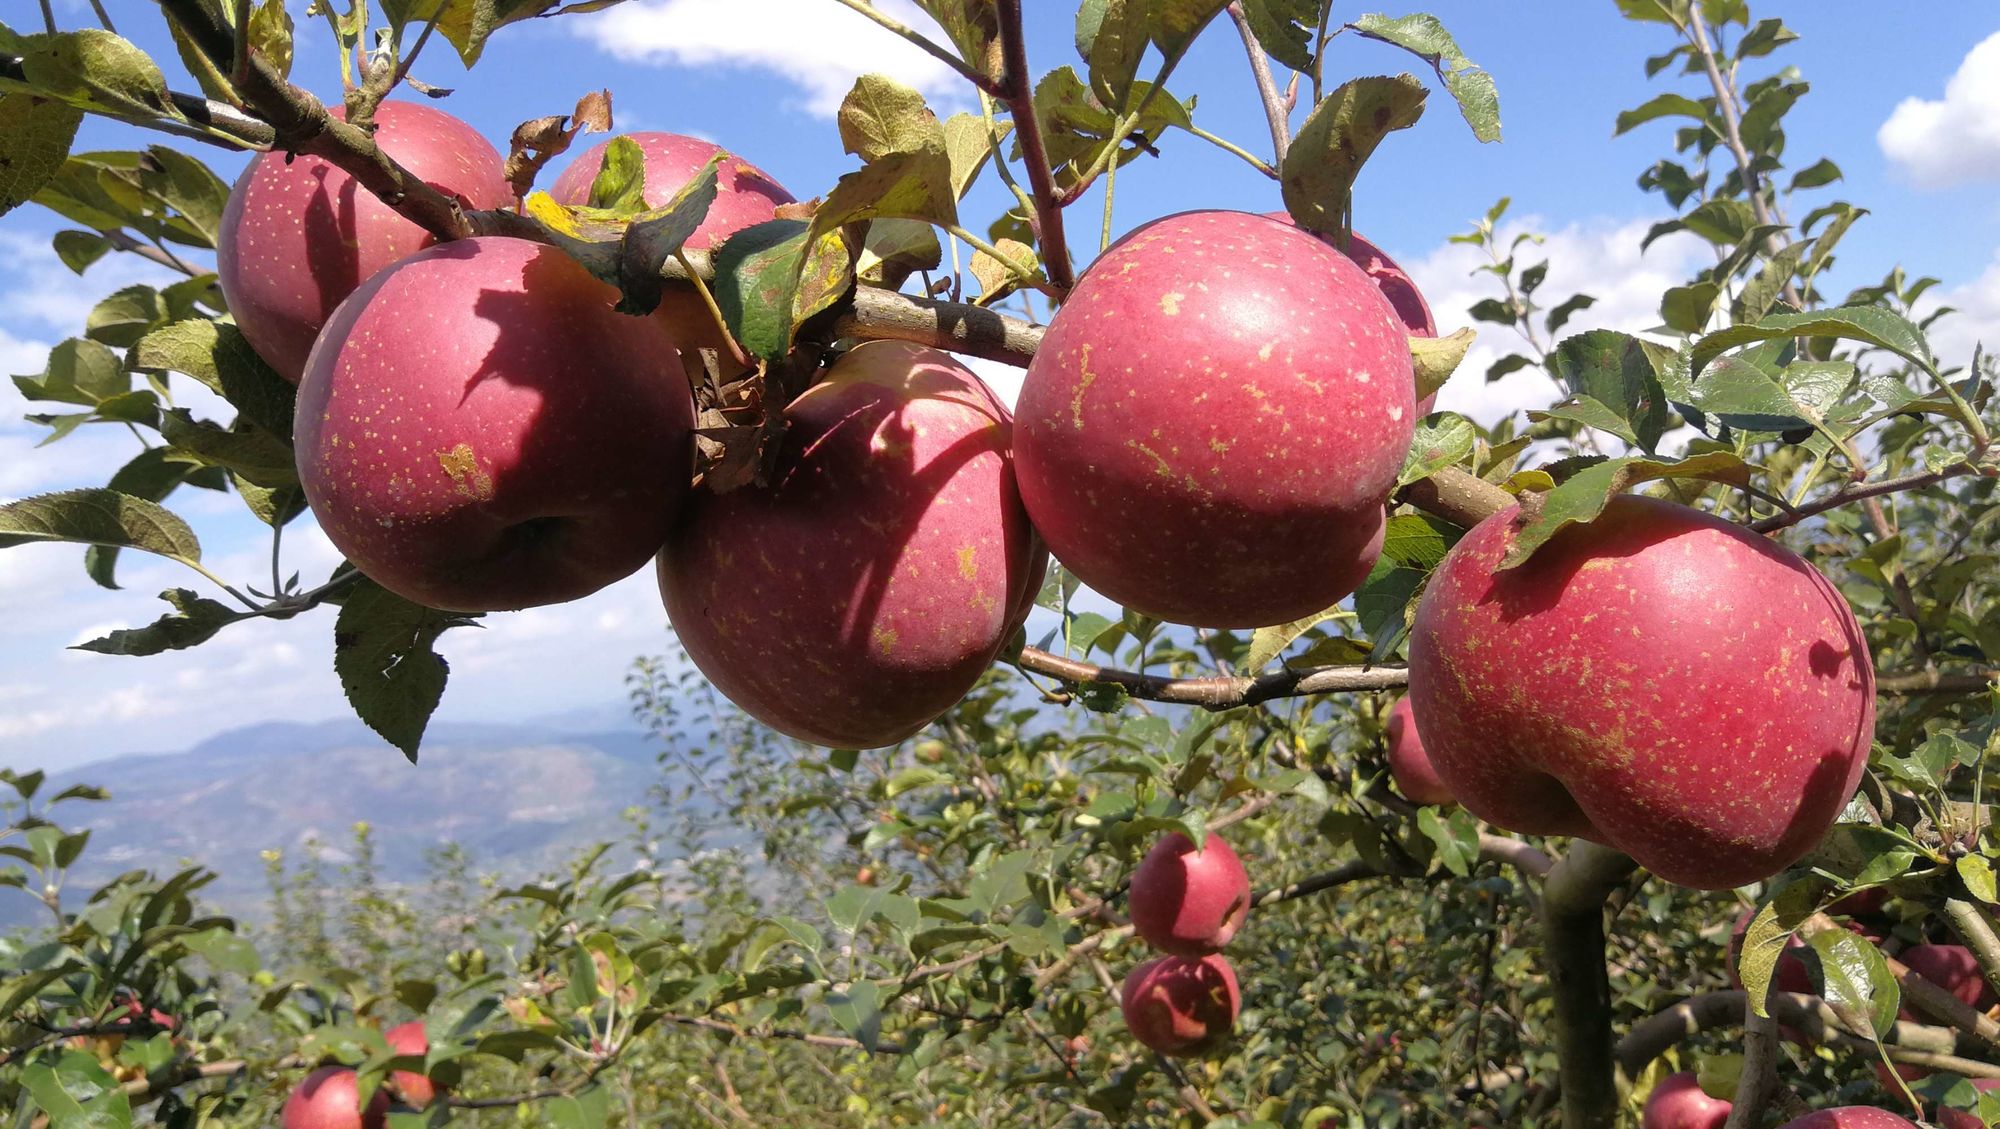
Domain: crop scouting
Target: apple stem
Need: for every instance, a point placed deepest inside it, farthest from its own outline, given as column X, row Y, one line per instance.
column 1573, row 953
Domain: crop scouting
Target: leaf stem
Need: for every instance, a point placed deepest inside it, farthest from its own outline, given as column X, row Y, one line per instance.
column 736, row 352
column 1228, row 146
column 983, row 83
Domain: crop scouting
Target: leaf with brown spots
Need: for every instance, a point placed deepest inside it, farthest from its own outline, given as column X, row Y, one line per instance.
column 1317, row 178
column 538, row 141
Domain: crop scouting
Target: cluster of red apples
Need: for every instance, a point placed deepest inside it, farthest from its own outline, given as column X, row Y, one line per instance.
column 330, row 1097
column 1209, row 434
column 1187, row 902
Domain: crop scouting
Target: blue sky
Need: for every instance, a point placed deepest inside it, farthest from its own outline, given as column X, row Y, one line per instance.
column 1919, row 142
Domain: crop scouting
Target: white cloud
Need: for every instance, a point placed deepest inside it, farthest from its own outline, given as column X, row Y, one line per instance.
column 818, row 45
column 1977, row 311
column 1956, row 138
column 1599, row 257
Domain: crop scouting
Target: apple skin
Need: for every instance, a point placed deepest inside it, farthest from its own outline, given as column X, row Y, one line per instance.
column 1660, row 681
column 744, row 196
column 1962, row 1119
column 1678, row 1102
column 1203, row 438
column 1409, row 766
column 1180, row 1007
column 1953, row 968
column 330, row 1098
column 299, row 235
column 478, row 430
column 1850, row 1117
column 416, row 1090
column 1395, row 284
column 861, row 593
column 1189, row 902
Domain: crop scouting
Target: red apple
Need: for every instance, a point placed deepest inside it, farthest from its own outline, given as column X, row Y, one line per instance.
column 479, row 430
column 744, row 196
column 1409, row 766
column 863, row 591
column 299, row 235
column 1850, row 1117
column 1961, row 1119
column 1679, row 1103
column 1659, row 680
column 416, row 1090
column 330, row 1098
column 1867, row 903
column 1189, row 902
column 1953, row 968
column 1207, row 439
column 1395, row 284
column 1181, row 1007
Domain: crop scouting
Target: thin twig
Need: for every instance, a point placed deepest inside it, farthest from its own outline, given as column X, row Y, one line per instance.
column 1017, row 91
column 1275, row 110
column 937, row 51
column 1858, row 491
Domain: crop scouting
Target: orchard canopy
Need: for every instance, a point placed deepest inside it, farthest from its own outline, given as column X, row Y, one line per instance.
column 1102, row 688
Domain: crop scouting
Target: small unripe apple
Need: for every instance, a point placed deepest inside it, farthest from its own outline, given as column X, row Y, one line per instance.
column 299, row 235
column 479, row 430
column 1409, row 766
column 330, row 1098
column 1850, row 1117
column 1679, row 1103
column 1206, row 437
column 744, row 197
column 417, row 1090
column 1181, row 1007
column 1659, row 680
column 1189, row 902
column 864, row 589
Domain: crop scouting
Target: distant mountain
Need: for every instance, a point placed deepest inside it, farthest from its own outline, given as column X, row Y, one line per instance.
column 519, row 798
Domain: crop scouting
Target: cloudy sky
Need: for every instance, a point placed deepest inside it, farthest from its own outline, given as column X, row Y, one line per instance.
column 1909, row 106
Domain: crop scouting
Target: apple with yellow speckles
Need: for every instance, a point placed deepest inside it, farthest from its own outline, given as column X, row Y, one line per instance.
column 479, row 429
column 1658, row 680
column 1179, row 1006
column 1208, row 439
column 1677, row 1102
column 862, row 591
column 745, row 196
column 1395, row 284
column 1189, row 901
column 299, row 235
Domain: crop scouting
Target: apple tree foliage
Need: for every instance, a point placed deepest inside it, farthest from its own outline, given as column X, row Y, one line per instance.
column 932, row 933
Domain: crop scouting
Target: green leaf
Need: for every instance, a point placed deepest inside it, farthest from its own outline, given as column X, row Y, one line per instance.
column 858, row 1011
column 1767, row 936
column 218, row 356
column 880, row 116
column 99, row 517
column 1688, row 308
column 1856, row 979
column 1267, row 643
column 80, row 371
column 1382, row 604
column 1744, row 395
column 1177, row 22
column 94, row 70
column 1436, row 358
column 35, row 136
column 1976, row 871
column 1662, row 106
column 78, row 1093
column 1418, row 541
column 1456, row 836
column 467, row 24
column 967, row 146
column 1870, row 325
column 1284, row 28
column 79, row 249
column 1443, row 439
column 382, row 652
column 195, row 620
column 271, row 34
column 1317, row 178
column 1112, row 36
column 1584, row 495
column 766, row 283
column 246, row 450
column 1816, row 175
column 1613, row 369
column 1425, row 36
column 620, row 184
